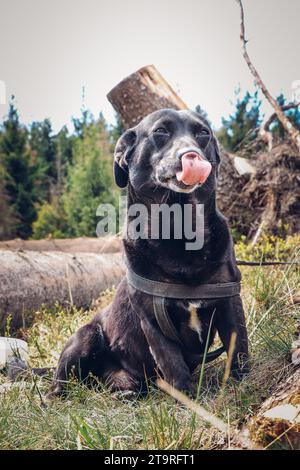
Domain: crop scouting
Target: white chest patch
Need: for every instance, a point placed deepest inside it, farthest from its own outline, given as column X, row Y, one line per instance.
column 194, row 321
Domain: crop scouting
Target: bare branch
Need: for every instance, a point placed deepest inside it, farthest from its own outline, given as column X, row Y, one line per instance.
column 264, row 131
column 288, row 126
column 273, row 116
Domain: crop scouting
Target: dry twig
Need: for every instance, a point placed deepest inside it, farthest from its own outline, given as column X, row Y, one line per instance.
column 239, row 437
column 288, row 126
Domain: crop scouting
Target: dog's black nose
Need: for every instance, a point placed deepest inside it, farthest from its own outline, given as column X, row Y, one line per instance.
column 191, row 150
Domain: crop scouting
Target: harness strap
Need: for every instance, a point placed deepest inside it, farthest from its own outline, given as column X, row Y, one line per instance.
column 211, row 356
column 182, row 291
column 162, row 290
column 168, row 329
column 164, row 321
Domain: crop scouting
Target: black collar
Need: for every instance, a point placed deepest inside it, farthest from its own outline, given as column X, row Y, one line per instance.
column 182, row 291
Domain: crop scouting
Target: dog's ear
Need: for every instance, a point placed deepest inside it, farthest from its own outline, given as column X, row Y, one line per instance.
column 123, row 150
column 217, row 153
column 217, row 149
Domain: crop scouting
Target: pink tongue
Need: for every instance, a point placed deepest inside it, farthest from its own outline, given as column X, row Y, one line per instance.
column 194, row 170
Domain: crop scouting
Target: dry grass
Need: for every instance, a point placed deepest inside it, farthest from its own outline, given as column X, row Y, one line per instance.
column 96, row 419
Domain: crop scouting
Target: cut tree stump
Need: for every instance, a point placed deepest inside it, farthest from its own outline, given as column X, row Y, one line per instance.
column 279, row 415
column 30, row 279
column 142, row 93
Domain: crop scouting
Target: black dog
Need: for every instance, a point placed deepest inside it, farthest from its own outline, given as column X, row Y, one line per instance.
column 170, row 157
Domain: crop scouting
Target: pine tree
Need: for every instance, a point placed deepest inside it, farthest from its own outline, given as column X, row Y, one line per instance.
column 89, row 180
column 43, row 153
column 63, row 157
column 116, row 130
column 51, row 219
column 19, row 174
column 7, row 217
column 243, row 124
column 202, row 113
column 80, row 124
column 293, row 114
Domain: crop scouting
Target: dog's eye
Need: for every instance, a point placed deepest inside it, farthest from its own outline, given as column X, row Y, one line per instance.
column 160, row 136
column 161, row 130
column 203, row 132
column 203, row 137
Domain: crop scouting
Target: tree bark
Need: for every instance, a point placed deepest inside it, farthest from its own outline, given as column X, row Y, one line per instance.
column 109, row 244
column 30, row 279
column 141, row 93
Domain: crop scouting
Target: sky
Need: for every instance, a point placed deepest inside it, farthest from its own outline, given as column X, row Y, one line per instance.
column 51, row 49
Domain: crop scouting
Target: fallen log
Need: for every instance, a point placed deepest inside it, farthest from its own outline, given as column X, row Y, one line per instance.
column 279, row 416
column 109, row 244
column 142, row 93
column 30, row 279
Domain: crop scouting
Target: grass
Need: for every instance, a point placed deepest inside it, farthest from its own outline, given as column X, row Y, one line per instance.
column 97, row 419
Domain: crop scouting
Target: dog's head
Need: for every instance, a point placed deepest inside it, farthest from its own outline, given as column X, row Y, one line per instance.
column 168, row 149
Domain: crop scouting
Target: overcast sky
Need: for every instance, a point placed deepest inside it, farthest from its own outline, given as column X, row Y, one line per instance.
column 50, row 49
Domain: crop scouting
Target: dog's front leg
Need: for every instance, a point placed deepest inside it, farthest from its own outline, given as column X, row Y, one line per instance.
column 167, row 356
column 230, row 318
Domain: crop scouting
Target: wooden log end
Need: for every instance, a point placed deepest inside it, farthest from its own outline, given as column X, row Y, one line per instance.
column 142, row 93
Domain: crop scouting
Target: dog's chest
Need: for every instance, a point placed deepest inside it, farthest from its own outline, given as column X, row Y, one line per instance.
column 191, row 319
column 194, row 322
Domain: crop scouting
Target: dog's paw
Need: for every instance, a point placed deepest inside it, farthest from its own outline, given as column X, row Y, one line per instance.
column 126, row 395
column 55, row 391
column 240, row 369
column 185, row 386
